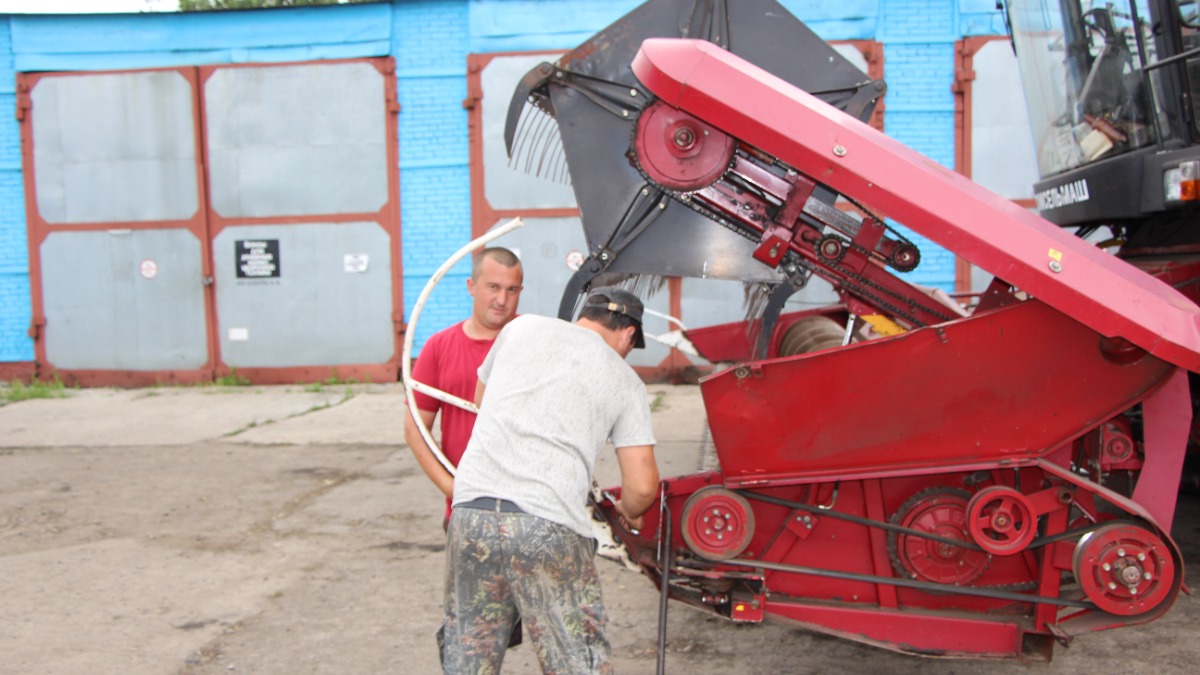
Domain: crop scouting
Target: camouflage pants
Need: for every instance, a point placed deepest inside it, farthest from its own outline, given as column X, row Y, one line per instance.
column 501, row 566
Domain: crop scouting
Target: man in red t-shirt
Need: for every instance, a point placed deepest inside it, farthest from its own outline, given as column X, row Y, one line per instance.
column 450, row 357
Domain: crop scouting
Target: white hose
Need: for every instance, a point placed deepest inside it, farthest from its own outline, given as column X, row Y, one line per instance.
column 410, row 331
column 673, row 339
column 668, row 317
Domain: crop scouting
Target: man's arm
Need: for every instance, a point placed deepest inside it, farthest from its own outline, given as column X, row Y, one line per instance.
column 639, row 483
column 424, row 456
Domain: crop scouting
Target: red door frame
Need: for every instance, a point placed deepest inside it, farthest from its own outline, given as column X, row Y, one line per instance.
column 963, row 88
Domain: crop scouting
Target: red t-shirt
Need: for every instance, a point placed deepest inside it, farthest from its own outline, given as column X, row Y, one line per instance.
column 449, row 361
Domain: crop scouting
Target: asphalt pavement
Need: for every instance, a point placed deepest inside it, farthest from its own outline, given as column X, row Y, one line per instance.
column 183, row 415
column 312, row 414
column 269, row 529
column 262, row 529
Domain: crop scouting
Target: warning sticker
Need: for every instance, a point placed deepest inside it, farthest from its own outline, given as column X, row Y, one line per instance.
column 148, row 268
column 257, row 258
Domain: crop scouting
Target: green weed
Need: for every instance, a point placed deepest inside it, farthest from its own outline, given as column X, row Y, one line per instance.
column 333, row 381
column 656, row 403
column 19, row 391
column 231, row 380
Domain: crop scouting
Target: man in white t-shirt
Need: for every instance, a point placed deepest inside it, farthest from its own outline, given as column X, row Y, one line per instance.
column 519, row 543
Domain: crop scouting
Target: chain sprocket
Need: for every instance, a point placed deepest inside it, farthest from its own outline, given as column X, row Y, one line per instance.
column 905, row 255
column 941, row 511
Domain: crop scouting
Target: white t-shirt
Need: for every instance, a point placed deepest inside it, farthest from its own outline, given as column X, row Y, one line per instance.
column 556, row 393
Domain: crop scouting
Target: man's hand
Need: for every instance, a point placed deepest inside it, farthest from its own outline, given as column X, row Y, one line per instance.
column 424, row 455
column 632, row 523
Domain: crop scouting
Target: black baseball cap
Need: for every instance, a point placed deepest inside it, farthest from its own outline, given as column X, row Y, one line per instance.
column 622, row 302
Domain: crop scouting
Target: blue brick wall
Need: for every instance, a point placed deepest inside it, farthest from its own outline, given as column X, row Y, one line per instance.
column 436, row 223
column 842, row 20
column 430, row 45
column 16, row 308
column 430, row 40
column 15, row 343
column 918, row 20
column 918, row 45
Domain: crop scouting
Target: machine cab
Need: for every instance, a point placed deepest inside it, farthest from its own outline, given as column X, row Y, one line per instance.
column 1111, row 90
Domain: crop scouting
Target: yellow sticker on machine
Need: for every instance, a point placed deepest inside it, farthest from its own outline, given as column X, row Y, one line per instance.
column 883, row 325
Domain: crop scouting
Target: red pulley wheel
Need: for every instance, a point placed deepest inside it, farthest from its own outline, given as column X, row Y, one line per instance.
column 717, row 523
column 1125, row 569
column 679, row 151
column 1001, row 520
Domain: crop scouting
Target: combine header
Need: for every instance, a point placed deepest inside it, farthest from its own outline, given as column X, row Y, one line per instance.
column 962, row 484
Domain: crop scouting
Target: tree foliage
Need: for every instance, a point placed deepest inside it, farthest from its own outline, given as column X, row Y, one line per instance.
column 208, row 5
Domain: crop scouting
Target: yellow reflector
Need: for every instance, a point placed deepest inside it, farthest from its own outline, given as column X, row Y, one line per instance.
column 883, row 325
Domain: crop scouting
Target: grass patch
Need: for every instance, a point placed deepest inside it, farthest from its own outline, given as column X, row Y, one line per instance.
column 19, row 391
column 252, row 425
column 333, row 381
column 319, row 388
column 656, row 402
column 231, row 380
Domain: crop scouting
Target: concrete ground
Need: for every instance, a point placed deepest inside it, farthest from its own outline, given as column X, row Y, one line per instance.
column 289, row 530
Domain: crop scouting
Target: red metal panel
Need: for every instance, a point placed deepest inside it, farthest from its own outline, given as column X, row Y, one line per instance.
column 881, row 565
column 1008, row 384
column 1182, row 274
column 897, row 182
column 931, row 634
column 17, row 370
column 1168, row 419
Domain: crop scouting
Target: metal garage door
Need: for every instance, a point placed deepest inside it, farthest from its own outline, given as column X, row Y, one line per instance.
column 280, row 261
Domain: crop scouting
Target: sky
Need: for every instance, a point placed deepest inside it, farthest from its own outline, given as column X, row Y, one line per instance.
column 84, row 6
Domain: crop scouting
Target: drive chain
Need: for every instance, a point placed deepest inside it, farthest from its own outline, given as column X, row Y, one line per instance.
column 878, row 296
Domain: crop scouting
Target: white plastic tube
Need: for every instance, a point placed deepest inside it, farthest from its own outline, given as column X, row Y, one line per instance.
column 672, row 338
column 406, row 355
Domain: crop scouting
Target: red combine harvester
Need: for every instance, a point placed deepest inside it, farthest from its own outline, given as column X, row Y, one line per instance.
column 967, row 484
